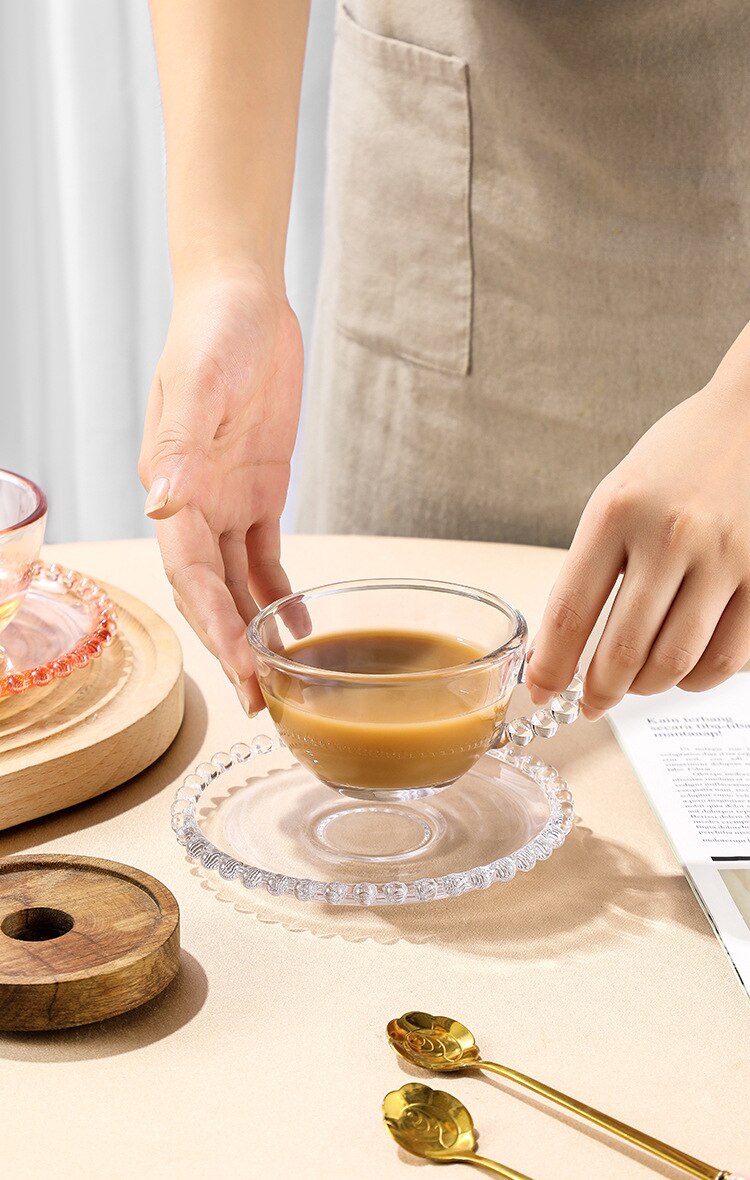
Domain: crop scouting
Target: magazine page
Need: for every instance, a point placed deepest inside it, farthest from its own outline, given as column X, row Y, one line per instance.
column 692, row 756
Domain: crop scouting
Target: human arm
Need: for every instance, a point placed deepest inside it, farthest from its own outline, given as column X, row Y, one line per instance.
column 224, row 404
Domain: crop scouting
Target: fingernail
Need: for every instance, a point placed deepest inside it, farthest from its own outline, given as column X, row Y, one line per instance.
column 245, row 702
column 539, row 696
column 592, row 714
column 157, row 496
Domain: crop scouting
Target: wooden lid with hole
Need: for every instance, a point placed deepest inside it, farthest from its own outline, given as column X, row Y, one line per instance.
column 81, row 939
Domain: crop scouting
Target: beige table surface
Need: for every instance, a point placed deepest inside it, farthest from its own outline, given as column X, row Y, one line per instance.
column 596, row 972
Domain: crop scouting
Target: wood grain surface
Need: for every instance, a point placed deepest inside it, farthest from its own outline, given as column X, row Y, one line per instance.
column 98, row 728
column 81, row 939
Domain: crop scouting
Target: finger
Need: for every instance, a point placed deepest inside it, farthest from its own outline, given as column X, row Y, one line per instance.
column 248, row 690
column 184, row 610
column 591, row 569
column 248, row 694
column 685, row 633
column 234, row 556
column 268, row 579
column 151, row 422
column 729, row 648
column 179, row 446
column 639, row 610
column 193, row 564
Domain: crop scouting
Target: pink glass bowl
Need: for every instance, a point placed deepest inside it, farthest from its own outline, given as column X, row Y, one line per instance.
column 23, row 515
column 64, row 624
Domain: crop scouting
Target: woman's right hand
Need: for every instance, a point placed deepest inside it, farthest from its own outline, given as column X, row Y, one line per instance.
column 220, row 429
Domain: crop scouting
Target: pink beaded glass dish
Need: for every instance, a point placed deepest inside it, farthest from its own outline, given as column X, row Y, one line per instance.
column 64, row 622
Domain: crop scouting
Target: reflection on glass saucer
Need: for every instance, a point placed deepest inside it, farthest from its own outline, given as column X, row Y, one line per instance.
column 64, row 622
column 258, row 818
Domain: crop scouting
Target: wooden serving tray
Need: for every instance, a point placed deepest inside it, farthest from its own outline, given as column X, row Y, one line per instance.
column 81, row 736
column 81, row 939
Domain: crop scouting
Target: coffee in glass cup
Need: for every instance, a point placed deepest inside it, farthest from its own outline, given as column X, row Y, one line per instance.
column 389, row 689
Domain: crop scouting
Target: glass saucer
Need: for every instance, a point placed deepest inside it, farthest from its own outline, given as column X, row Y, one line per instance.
column 64, row 622
column 271, row 825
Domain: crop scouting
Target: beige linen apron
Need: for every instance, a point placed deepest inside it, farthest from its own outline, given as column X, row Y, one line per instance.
column 537, row 242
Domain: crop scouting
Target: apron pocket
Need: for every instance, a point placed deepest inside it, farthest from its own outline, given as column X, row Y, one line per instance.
column 399, row 228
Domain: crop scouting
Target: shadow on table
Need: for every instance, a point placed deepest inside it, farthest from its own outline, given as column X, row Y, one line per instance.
column 657, row 1166
column 414, row 1161
column 159, row 1018
column 592, row 893
column 173, row 763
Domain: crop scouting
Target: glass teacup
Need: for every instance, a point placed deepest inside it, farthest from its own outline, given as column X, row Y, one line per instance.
column 390, row 733
column 23, row 515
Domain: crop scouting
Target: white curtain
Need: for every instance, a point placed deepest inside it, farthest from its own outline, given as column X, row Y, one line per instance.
column 84, row 275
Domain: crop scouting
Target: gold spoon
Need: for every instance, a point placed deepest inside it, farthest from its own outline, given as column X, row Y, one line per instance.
column 436, row 1126
column 443, row 1045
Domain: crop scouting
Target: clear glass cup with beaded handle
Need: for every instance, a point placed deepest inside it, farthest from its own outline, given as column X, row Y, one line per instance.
column 390, row 690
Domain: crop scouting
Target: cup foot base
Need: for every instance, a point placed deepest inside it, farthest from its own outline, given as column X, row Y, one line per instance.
column 375, row 832
column 386, row 795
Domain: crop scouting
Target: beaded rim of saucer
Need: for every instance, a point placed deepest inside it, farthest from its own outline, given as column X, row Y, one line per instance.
column 101, row 632
column 186, row 827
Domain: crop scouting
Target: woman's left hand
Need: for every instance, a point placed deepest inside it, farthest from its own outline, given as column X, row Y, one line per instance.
column 674, row 519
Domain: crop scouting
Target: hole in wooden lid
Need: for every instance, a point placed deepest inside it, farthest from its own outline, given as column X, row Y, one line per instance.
column 38, row 924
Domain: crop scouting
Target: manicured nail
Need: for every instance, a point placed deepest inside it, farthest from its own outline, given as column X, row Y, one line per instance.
column 539, row 696
column 157, row 496
column 592, row 714
column 244, row 700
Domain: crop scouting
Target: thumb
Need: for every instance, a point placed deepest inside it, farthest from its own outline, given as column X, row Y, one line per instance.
column 177, row 456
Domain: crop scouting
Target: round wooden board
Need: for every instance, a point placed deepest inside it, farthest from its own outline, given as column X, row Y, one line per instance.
column 82, row 736
column 81, row 939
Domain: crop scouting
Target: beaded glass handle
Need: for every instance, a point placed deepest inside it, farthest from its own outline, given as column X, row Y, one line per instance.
column 563, row 709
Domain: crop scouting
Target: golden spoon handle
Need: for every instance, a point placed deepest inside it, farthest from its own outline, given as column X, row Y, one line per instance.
column 468, row 1157
column 662, row 1151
